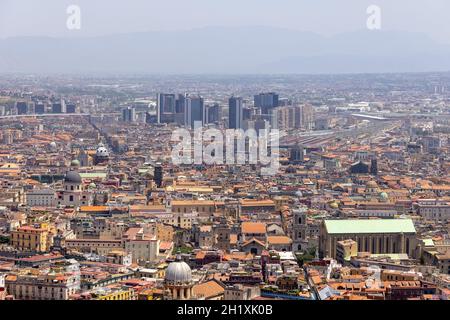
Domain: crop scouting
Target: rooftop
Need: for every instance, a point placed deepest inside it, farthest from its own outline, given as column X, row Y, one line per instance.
column 253, row 227
column 352, row 226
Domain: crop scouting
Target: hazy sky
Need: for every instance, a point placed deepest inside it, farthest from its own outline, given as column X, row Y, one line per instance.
column 99, row 17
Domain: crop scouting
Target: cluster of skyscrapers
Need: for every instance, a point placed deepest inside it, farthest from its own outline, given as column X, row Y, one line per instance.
column 265, row 110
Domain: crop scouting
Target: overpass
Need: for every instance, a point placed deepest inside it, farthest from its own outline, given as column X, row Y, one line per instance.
column 369, row 117
column 56, row 115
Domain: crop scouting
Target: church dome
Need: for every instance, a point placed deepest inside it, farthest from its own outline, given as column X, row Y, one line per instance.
column 102, row 152
column 384, row 196
column 178, row 273
column 72, row 177
column 75, row 163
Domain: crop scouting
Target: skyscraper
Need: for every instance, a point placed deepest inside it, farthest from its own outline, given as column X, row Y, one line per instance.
column 212, row 113
column 58, row 107
column 235, row 113
column 165, row 107
column 22, row 107
column 180, row 104
column 71, row 108
column 247, row 114
column 193, row 111
column 292, row 117
column 266, row 101
column 129, row 114
column 39, row 108
column 307, row 117
column 296, row 154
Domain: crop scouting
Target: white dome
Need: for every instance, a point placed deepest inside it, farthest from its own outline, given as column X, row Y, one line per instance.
column 102, row 152
column 178, row 273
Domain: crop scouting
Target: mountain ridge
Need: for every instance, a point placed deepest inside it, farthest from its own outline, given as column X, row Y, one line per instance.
column 227, row 50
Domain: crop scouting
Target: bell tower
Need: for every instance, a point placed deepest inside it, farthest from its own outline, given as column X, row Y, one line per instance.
column 299, row 228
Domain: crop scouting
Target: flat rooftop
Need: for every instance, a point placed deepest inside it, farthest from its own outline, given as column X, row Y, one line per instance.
column 353, row 226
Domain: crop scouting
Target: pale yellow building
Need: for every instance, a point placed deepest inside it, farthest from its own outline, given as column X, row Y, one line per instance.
column 346, row 249
column 202, row 207
column 32, row 238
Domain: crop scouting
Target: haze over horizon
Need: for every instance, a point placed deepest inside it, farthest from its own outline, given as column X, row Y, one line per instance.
column 324, row 17
column 202, row 36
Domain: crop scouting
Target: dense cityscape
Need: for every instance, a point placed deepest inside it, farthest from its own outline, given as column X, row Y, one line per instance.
column 93, row 207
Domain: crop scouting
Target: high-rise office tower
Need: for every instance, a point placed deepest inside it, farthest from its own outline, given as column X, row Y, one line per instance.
column 212, row 113
column 71, row 108
column 22, row 107
column 285, row 118
column 193, row 111
column 235, row 113
column 292, row 117
column 261, row 124
column 307, row 117
column 296, row 154
column 266, row 101
column 59, row 107
column 180, row 104
column 247, row 113
column 278, row 118
column 165, row 107
column 39, row 108
column 129, row 114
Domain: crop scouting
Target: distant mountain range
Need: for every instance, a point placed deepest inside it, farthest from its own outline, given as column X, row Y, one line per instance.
column 226, row 50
